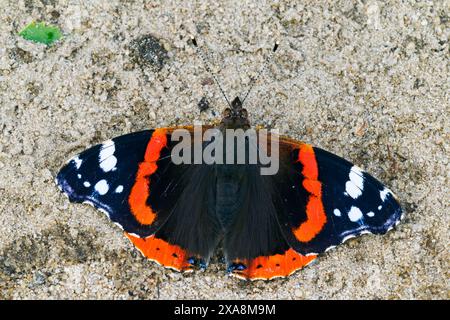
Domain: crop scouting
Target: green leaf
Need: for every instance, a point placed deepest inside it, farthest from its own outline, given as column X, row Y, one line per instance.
column 41, row 32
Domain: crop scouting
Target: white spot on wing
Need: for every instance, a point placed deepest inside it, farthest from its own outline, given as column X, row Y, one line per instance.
column 347, row 238
column 108, row 164
column 77, row 162
column 101, row 187
column 337, row 212
column 57, row 184
column 119, row 189
column 384, row 193
column 119, row 225
column 104, row 211
column 86, row 184
column 89, row 203
column 108, row 143
column 370, row 214
column 355, row 185
column 356, row 175
column 352, row 190
column 379, row 207
column 106, row 158
column 354, row 214
column 79, row 176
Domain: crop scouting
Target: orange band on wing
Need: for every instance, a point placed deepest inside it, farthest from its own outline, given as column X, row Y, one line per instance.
column 141, row 188
column 158, row 250
column 279, row 265
column 315, row 212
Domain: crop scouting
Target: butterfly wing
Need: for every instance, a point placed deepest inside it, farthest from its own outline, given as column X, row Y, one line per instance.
column 314, row 202
column 254, row 244
column 134, row 181
column 325, row 200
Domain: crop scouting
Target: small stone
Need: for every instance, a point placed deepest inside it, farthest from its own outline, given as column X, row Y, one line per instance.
column 20, row 55
column 148, row 51
column 207, row 82
column 203, row 104
column 39, row 278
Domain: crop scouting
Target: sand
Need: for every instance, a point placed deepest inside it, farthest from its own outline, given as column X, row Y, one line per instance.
column 368, row 81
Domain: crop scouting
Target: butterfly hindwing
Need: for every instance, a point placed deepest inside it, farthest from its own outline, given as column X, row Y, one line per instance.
column 254, row 244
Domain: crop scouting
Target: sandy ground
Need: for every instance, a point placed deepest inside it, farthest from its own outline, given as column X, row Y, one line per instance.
column 366, row 80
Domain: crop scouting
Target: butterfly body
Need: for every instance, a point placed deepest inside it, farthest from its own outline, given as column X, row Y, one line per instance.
column 228, row 193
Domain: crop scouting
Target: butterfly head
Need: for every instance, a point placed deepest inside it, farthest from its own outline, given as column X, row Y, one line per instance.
column 236, row 116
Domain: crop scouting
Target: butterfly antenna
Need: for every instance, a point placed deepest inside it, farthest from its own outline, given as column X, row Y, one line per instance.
column 208, row 68
column 266, row 62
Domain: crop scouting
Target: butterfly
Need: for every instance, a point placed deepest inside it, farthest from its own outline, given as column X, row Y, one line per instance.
column 269, row 226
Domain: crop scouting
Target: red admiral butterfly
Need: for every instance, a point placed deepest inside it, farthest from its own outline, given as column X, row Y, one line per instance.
column 269, row 225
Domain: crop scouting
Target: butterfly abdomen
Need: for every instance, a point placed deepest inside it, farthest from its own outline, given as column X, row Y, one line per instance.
column 228, row 192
